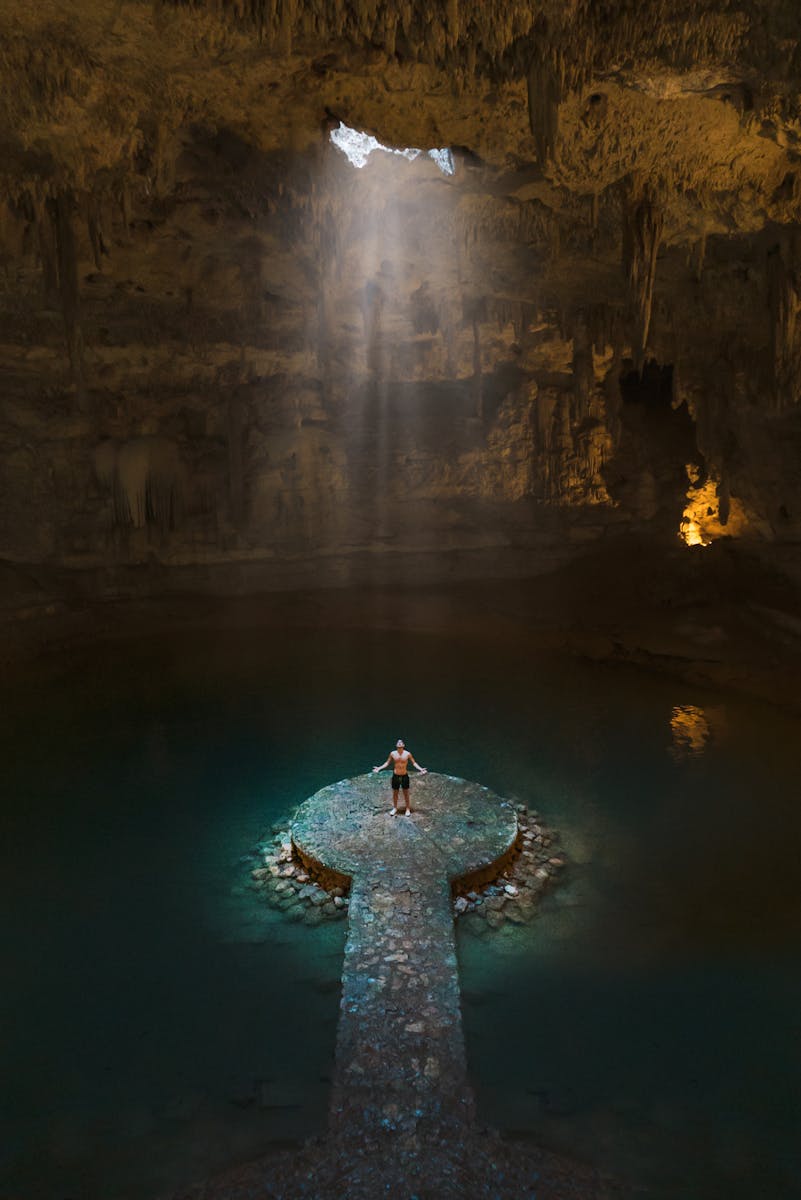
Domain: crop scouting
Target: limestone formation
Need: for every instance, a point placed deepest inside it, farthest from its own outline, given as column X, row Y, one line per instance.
column 187, row 258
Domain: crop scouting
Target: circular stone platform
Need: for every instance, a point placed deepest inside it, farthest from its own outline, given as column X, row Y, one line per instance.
column 459, row 829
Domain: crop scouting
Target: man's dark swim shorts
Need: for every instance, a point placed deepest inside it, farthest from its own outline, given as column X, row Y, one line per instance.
column 400, row 781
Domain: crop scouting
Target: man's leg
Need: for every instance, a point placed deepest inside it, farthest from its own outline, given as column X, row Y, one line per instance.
column 394, row 810
column 407, row 797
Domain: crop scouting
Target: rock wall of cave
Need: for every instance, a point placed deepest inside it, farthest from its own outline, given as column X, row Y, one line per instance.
column 223, row 344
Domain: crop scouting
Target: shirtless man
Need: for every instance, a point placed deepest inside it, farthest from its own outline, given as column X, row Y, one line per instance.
column 399, row 760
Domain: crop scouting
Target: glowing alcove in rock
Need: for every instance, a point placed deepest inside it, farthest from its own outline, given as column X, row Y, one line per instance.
column 359, row 146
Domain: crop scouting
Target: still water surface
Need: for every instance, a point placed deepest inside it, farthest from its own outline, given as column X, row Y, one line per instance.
column 159, row 1022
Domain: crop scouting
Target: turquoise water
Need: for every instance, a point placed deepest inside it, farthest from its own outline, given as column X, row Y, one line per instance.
column 159, row 1022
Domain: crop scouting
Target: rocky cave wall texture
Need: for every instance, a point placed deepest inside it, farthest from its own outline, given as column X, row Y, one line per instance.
column 221, row 341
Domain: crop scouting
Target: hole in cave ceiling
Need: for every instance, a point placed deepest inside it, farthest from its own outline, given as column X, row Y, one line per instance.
column 359, row 146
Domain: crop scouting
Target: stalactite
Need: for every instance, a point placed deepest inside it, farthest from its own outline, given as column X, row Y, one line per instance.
column 519, row 321
column 390, row 32
column 724, row 500
column 554, row 238
column 505, row 311
column 105, row 462
column 642, row 233
column 478, row 398
column 583, row 374
column 603, row 323
column 543, row 107
column 534, row 223
column 784, row 293
column 546, row 405
column 11, row 235
column 125, row 208
column 266, row 20
column 61, row 209
column 285, row 35
column 453, row 22
column 48, row 253
column 576, row 37
column 147, row 480
column 160, row 182
column 94, row 225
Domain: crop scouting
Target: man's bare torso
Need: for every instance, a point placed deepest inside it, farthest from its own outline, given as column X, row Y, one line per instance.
column 400, row 761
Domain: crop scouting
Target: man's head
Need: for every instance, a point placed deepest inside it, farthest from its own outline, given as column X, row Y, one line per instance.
column 400, row 744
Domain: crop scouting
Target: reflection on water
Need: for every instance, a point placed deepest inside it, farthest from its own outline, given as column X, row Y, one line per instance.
column 690, row 730
column 693, row 727
column 165, row 1023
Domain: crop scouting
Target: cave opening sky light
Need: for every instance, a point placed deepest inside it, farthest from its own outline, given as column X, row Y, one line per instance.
column 359, row 146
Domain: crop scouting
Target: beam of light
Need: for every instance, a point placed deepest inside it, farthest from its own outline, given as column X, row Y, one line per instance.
column 387, row 234
column 359, row 146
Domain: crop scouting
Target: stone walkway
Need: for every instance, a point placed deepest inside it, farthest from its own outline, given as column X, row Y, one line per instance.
column 400, row 1057
column 402, row 1116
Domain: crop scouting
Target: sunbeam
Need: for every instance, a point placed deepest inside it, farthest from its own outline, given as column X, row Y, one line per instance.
column 395, row 231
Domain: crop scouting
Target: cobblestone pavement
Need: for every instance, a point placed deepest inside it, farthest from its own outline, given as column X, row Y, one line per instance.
column 402, row 1116
column 400, row 1057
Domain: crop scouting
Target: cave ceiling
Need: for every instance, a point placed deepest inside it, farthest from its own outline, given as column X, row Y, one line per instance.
column 187, row 259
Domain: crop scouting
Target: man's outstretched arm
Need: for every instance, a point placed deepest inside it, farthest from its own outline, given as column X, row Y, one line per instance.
column 422, row 770
column 386, row 764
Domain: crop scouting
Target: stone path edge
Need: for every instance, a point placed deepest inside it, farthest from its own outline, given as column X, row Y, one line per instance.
column 517, row 879
column 328, row 878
